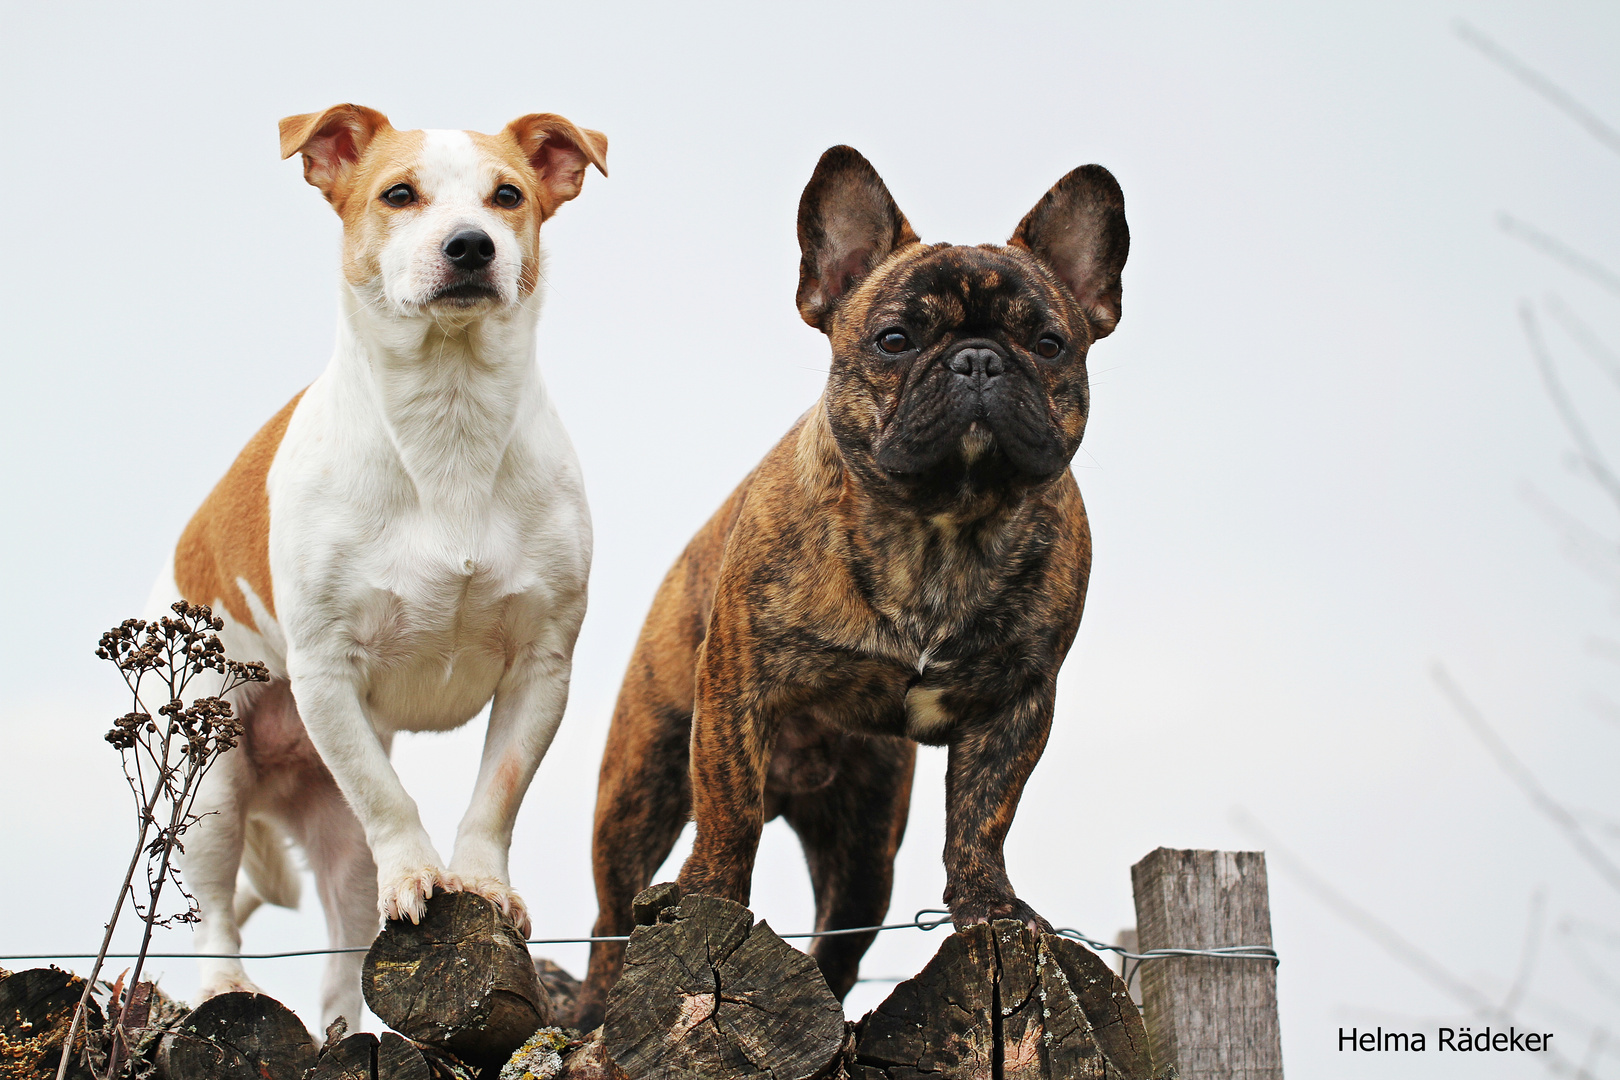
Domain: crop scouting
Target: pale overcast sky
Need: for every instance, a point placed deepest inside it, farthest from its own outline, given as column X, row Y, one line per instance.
column 1311, row 467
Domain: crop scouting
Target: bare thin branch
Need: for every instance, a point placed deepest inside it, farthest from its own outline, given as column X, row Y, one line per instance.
column 1591, row 456
column 1605, row 936
column 1596, row 553
column 1407, row 952
column 1402, row 950
column 1559, row 251
column 1601, row 980
column 1593, row 346
column 1528, row 954
column 1560, row 98
column 1549, row 807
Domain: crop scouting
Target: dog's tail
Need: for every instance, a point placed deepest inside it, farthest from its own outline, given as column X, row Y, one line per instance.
column 268, row 875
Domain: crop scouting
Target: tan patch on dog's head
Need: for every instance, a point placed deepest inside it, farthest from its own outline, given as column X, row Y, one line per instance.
column 355, row 157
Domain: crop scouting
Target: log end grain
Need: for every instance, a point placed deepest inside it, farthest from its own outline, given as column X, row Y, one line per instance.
column 709, row 992
column 364, row 1056
column 237, row 1036
column 462, row 980
column 36, row 1010
column 999, row 1000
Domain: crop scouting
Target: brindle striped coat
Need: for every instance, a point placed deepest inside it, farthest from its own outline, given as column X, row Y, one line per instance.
column 907, row 565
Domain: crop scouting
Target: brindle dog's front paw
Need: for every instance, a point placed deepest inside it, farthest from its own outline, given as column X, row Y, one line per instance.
column 982, row 909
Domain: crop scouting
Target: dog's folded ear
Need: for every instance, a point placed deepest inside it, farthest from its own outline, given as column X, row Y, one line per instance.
column 331, row 142
column 558, row 150
column 848, row 223
column 1078, row 229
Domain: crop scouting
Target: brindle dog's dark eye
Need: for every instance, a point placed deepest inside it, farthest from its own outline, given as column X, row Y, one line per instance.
column 399, row 195
column 1048, row 346
column 894, row 341
column 508, row 196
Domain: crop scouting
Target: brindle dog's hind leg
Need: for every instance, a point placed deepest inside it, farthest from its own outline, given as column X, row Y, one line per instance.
column 851, row 830
column 643, row 802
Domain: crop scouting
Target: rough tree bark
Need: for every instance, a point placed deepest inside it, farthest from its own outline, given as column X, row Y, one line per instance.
column 366, row 1057
column 1210, row 1018
column 998, row 1001
column 462, row 980
column 708, row 992
column 237, row 1037
column 36, row 1007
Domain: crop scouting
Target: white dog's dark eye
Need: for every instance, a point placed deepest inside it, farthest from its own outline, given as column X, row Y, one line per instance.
column 399, row 195
column 894, row 341
column 508, row 196
column 1048, row 346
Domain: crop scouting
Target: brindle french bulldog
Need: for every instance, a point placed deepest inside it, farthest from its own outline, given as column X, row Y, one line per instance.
column 907, row 565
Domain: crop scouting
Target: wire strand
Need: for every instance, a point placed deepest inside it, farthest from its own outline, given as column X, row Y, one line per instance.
column 926, row 919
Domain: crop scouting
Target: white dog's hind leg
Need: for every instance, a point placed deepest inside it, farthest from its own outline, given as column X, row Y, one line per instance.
column 268, row 874
column 209, row 864
column 346, row 881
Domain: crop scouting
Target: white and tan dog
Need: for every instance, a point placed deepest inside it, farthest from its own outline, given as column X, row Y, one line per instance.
column 405, row 540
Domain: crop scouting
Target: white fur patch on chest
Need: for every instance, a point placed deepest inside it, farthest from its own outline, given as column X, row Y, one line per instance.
column 926, row 718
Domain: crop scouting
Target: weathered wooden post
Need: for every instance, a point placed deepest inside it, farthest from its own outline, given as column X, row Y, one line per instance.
column 1208, row 1016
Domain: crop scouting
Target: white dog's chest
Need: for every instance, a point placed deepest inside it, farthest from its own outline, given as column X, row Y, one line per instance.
column 423, row 595
column 433, row 617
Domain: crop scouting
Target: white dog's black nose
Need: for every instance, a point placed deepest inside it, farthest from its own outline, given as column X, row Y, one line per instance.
column 470, row 249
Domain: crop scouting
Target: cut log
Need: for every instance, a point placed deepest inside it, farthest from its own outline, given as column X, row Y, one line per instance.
column 36, row 1009
column 237, row 1036
column 366, row 1057
column 461, row 980
column 584, row 1059
column 1113, row 1017
column 997, row 1000
column 560, row 987
column 708, row 992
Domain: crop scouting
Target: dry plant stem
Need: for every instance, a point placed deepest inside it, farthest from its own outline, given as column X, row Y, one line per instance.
column 182, row 810
column 164, row 758
column 106, row 941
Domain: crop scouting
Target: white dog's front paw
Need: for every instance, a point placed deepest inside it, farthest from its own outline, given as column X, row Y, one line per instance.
column 503, row 896
column 405, row 895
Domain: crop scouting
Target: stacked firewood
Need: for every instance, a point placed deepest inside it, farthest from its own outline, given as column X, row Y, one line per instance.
column 707, row 992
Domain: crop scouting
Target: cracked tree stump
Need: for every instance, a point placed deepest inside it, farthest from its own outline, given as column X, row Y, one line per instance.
column 998, row 1000
column 36, row 1009
column 461, row 980
column 237, row 1036
column 708, row 992
column 366, row 1057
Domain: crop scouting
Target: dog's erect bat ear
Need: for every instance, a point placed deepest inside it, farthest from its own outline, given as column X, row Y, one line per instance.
column 331, row 142
column 558, row 150
column 848, row 223
column 1078, row 229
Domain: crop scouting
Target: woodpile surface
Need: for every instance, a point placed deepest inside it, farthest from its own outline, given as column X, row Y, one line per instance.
column 998, row 1000
column 36, row 1008
column 707, row 993
column 237, row 1037
column 461, row 980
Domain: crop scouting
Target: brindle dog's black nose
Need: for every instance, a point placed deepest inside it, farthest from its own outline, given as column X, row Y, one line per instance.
column 978, row 364
column 470, row 249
